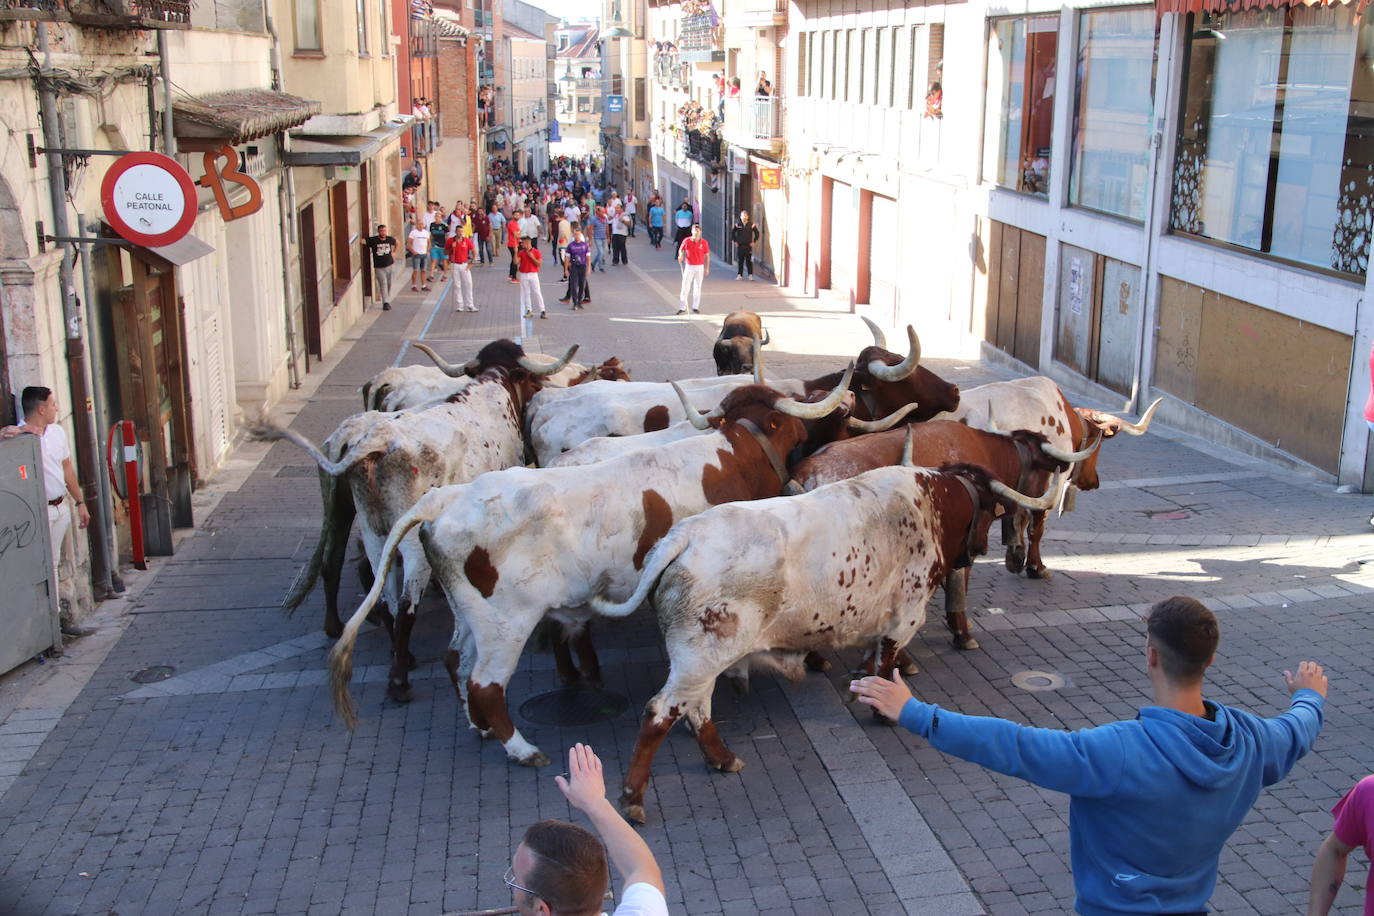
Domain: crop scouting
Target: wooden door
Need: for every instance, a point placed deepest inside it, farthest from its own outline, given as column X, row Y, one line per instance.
column 310, row 285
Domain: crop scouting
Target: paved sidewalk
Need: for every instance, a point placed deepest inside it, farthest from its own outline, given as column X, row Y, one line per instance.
column 231, row 788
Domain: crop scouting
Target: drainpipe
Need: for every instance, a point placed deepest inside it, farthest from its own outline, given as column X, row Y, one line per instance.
column 169, row 139
column 104, row 501
column 286, row 205
column 83, row 399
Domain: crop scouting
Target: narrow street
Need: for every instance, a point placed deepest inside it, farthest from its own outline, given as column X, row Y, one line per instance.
column 230, row 787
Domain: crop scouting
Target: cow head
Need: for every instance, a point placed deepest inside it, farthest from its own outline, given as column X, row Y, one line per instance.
column 499, row 354
column 1084, row 423
column 887, row 381
column 734, row 355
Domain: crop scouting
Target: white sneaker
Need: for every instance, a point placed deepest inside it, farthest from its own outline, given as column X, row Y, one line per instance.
column 528, row 314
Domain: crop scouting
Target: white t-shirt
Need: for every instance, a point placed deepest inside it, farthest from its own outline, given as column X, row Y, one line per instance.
column 641, row 900
column 529, row 227
column 55, row 451
column 419, row 241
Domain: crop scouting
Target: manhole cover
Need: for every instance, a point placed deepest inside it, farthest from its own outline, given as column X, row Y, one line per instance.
column 153, row 674
column 1037, row 680
column 573, row 706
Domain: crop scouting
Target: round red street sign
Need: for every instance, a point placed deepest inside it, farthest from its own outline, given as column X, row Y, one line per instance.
column 149, row 199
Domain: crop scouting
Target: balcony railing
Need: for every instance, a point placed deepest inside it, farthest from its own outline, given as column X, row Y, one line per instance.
column 672, row 72
column 753, row 120
column 109, row 14
column 703, row 147
column 424, row 37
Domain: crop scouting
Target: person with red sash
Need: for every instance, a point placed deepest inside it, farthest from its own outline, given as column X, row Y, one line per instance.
column 695, row 257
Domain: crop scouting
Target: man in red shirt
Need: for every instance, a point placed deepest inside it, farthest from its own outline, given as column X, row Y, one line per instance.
column 530, row 259
column 460, row 249
column 695, row 257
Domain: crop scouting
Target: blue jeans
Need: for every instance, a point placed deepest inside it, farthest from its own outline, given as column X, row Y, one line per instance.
column 598, row 255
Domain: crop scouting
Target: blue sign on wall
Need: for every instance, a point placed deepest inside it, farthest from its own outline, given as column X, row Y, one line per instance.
column 615, row 103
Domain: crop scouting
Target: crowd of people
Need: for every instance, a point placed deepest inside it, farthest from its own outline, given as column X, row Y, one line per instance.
column 585, row 222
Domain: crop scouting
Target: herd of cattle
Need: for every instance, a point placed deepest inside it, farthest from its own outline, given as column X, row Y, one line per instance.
column 765, row 522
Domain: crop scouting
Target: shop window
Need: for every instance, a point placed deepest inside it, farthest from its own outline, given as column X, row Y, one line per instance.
column 1115, row 97
column 1274, row 153
column 1020, row 104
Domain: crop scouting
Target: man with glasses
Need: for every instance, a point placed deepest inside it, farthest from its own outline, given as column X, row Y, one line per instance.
column 559, row 869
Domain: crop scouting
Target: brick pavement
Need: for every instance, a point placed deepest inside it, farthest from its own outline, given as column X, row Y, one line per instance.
column 230, row 788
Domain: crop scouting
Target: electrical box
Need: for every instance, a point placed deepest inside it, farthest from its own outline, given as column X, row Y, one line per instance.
column 28, row 610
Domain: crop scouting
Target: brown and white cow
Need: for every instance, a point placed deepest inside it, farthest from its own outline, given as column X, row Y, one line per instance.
column 1037, row 403
column 735, row 345
column 1023, row 460
column 516, row 546
column 850, row 563
column 384, row 462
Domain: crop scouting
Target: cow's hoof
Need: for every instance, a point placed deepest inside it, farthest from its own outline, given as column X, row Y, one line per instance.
column 1038, row 572
column 733, row 765
column 411, row 663
column 535, row 759
column 401, row 693
column 909, row 668
column 1016, row 559
column 740, row 685
column 815, row 661
column 591, row 679
column 333, row 629
column 633, row 813
column 965, row 643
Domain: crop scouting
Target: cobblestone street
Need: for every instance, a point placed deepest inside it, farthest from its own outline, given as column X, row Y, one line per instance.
column 232, row 788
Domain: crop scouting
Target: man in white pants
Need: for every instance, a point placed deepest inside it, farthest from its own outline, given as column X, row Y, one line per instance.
column 59, row 477
column 529, row 260
column 695, row 258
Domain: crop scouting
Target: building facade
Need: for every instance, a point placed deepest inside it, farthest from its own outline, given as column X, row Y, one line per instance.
column 578, row 110
column 1139, row 202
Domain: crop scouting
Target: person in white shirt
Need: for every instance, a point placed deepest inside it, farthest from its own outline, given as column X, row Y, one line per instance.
column 560, row 868
column 417, row 255
column 529, row 228
column 631, row 207
column 61, row 488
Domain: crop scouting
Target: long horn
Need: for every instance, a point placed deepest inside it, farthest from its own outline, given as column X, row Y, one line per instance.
column 534, row 368
column 879, row 338
column 1138, row 429
column 1058, row 454
column 886, row 423
column 758, row 362
column 885, row 373
column 1045, row 501
column 697, row 419
column 804, row 411
column 907, row 447
column 444, row 365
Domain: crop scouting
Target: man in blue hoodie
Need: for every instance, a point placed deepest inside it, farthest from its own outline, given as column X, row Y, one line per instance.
column 1153, row 799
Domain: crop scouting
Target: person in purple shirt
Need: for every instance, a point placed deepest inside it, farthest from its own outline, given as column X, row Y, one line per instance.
column 575, row 259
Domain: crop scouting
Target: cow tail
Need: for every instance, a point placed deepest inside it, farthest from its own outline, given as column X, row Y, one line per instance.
column 341, row 656
column 266, row 432
column 307, row 579
column 664, row 552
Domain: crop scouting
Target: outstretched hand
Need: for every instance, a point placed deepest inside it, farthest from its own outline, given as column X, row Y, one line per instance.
column 887, row 697
column 1310, row 676
column 584, row 785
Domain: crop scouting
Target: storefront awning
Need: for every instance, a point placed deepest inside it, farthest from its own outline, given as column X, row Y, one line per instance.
column 352, row 149
column 239, row 115
column 1222, row 6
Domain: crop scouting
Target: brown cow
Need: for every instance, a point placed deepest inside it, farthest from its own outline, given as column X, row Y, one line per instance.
column 734, row 349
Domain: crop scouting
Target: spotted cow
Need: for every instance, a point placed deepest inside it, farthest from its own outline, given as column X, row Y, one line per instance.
column 853, row 563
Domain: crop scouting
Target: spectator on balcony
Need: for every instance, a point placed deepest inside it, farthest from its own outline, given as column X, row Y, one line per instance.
column 764, row 89
column 414, row 175
column 683, row 217
column 745, row 235
column 734, row 88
